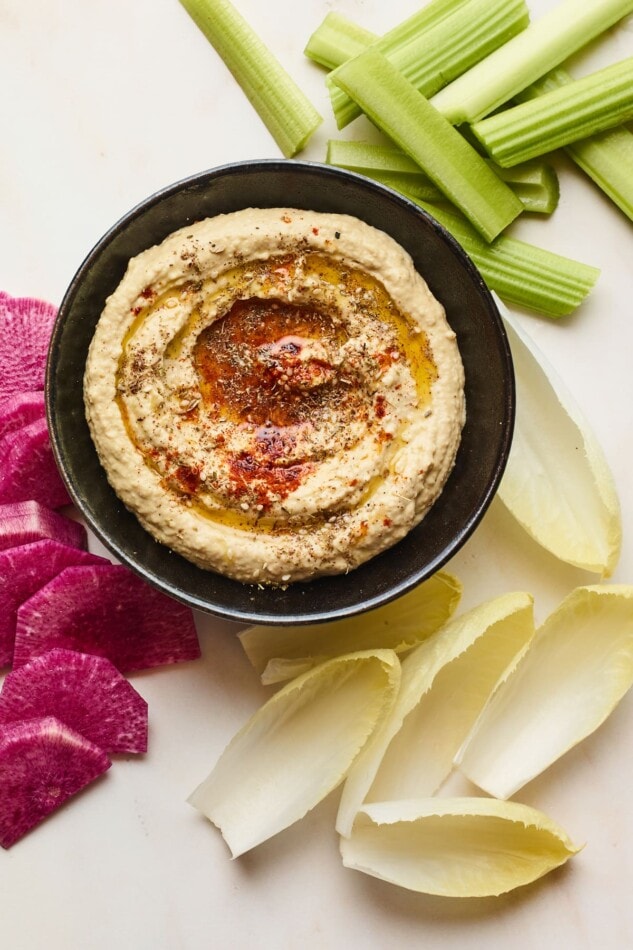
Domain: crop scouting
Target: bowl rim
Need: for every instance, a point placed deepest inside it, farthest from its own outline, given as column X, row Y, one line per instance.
column 367, row 601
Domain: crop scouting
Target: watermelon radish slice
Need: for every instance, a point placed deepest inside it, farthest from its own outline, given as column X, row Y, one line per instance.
column 42, row 764
column 25, row 521
column 85, row 692
column 21, row 409
column 26, row 325
column 25, row 569
column 29, row 470
column 106, row 610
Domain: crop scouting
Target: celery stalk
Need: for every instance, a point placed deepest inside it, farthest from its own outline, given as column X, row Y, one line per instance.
column 534, row 183
column 527, row 56
column 288, row 114
column 396, row 107
column 337, row 39
column 571, row 112
column 521, row 273
column 607, row 158
column 430, row 51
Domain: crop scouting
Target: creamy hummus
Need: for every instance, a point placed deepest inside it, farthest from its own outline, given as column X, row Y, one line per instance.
column 275, row 393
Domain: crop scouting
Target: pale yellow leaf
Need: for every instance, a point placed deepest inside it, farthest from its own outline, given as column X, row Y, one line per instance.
column 446, row 682
column 297, row 747
column 455, row 847
column 575, row 672
column 279, row 653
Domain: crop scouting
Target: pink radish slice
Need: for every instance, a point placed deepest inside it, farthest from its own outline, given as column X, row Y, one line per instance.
column 84, row 692
column 25, row 521
column 29, row 470
column 42, row 764
column 108, row 611
column 25, row 569
column 26, row 325
column 21, row 409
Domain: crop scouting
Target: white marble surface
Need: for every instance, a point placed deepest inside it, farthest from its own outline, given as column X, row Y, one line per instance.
column 101, row 104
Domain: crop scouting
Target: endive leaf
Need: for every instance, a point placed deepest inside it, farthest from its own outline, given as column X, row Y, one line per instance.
column 446, row 682
column 557, row 482
column 279, row 653
column 576, row 670
column 455, row 847
column 297, row 747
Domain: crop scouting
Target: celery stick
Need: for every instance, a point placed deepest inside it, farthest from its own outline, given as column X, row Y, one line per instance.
column 288, row 114
column 521, row 273
column 399, row 110
column 337, row 39
column 431, row 53
column 571, row 112
column 365, row 156
column 607, row 158
column 530, row 54
column 534, row 183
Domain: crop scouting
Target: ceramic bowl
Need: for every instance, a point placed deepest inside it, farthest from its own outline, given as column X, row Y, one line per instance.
column 470, row 309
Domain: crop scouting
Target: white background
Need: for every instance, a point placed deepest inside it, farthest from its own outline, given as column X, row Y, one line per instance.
column 103, row 103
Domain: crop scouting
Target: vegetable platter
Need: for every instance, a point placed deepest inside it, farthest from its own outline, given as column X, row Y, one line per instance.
column 104, row 104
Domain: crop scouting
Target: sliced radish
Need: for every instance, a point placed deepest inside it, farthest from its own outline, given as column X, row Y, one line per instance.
column 25, row 569
column 25, row 521
column 26, row 325
column 108, row 611
column 29, row 470
column 85, row 692
column 42, row 764
column 21, row 409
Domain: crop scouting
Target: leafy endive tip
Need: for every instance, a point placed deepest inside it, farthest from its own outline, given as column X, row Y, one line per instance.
column 455, row 847
column 574, row 673
column 297, row 747
column 557, row 483
column 446, row 682
column 279, row 653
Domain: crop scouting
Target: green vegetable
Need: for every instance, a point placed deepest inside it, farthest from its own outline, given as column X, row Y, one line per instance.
column 287, row 113
column 526, row 57
column 521, row 273
column 606, row 158
column 534, row 183
column 404, row 114
column 574, row 111
column 337, row 39
column 438, row 43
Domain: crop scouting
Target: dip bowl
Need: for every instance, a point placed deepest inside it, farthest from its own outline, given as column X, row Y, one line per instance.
column 453, row 279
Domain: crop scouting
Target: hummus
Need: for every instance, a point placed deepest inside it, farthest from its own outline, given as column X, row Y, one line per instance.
column 275, row 393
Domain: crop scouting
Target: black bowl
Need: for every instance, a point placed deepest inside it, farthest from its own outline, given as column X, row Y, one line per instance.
column 471, row 312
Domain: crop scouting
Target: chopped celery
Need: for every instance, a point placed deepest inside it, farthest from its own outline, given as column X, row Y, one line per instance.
column 432, row 50
column 607, row 158
column 571, row 112
column 534, row 183
column 521, row 273
column 288, row 114
column 526, row 57
column 396, row 107
column 337, row 39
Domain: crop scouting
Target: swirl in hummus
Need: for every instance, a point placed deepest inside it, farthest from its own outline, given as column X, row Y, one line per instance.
column 275, row 393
